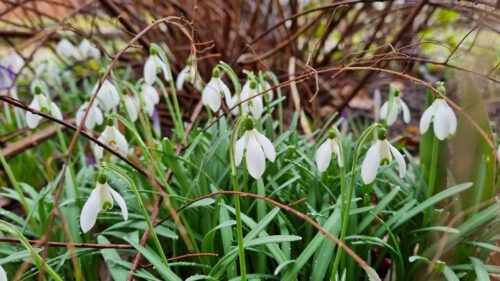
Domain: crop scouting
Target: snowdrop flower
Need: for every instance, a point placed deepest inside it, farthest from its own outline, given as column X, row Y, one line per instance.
column 391, row 108
column 100, row 199
column 87, row 50
column 442, row 117
column 131, row 106
column 65, row 48
column 325, row 151
column 41, row 103
column 150, row 98
column 255, row 104
column 95, row 116
column 256, row 148
column 108, row 96
column 382, row 152
column 188, row 73
column 153, row 65
column 212, row 93
column 3, row 275
column 112, row 137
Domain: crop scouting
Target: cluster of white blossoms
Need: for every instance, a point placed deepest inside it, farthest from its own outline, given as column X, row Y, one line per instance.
column 382, row 152
column 85, row 50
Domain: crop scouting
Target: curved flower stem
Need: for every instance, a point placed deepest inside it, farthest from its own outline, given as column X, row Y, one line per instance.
column 345, row 213
column 237, row 207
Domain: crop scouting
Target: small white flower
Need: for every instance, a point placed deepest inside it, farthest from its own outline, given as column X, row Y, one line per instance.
column 256, row 148
column 65, row 48
column 41, row 103
column 211, row 95
column 100, row 199
column 188, row 73
column 112, row 137
column 131, row 106
column 325, row 151
column 443, row 118
column 391, row 109
column 87, row 50
column 150, row 98
column 3, row 275
column 95, row 116
column 255, row 104
column 108, row 96
column 153, row 65
column 381, row 152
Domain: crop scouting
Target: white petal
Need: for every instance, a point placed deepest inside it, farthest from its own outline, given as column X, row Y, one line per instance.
column 149, row 107
column 267, row 146
column 181, row 78
column 371, row 163
column 441, row 123
column 257, row 106
column 55, row 111
column 400, row 160
column 120, row 141
column 239, row 150
column 324, row 155
column 98, row 115
column 383, row 110
column 3, row 275
column 119, row 199
column 151, row 93
column 453, row 120
column 164, row 69
column 79, row 114
column 223, row 87
column 256, row 160
column 393, row 114
column 65, row 48
column 211, row 96
column 90, row 210
column 98, row 150
column 131, row 106
column 406, row 112
column 32, row 120
column 336, row 149
column 150, row 71
column 426, row 119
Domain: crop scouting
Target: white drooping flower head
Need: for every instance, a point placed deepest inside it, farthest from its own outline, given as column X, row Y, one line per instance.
column 189, row 74
column 41, row 103
column 251, row 100
column 153, row 65
column 100, row 199
column 393, row 107
column 112, row 137
column 213, row 92
column 87, row 50
column 255, row 147
column 442, row 117
column 108, row 96
column 131, row 106
column 95, row 116
column 150, row 98
column 382, row 152
column 65, row 48
column 329, row 148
